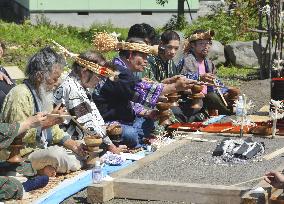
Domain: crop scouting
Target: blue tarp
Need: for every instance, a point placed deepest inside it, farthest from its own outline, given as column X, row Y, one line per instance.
column 72, row 186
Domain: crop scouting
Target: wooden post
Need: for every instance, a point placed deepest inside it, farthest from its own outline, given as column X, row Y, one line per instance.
column 101, row 192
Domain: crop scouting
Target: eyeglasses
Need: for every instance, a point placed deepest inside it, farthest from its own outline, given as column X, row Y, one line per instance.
column 204, row 43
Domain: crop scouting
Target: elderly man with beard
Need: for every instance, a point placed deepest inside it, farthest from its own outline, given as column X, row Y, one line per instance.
column 36, row 95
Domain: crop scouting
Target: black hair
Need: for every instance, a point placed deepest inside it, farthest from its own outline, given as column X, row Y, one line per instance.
column 144, row 31
column 169, row 35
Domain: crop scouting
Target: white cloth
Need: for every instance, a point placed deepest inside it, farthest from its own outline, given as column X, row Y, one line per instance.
column 59, row 158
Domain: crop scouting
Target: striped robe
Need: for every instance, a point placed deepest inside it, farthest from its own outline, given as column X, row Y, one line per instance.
column 77, row 101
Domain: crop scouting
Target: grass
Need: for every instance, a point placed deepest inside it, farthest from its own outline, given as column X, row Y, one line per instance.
column 26, row 39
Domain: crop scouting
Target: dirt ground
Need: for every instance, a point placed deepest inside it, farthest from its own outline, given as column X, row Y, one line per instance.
column 258, row 91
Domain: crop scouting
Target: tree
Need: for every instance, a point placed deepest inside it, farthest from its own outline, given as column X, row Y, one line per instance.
column 180, row 12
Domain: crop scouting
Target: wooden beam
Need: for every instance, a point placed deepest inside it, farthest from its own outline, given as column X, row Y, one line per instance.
column 99, row 193
column 149, row 158
column 273, row 154
column 170, row 191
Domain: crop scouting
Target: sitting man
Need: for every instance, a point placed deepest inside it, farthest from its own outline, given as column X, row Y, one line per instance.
column 36, row 95
column 195, row 65
column 74, row 95
column 6, row 83
column 122, row 100
column 11, row 188
column 162, row 66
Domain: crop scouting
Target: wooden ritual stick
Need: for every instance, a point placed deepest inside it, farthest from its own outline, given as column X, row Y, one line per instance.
column 220, row 93
column 59, row 115
column 226, row 129
column 255, row 179
column 207, row 84
column 80, row 126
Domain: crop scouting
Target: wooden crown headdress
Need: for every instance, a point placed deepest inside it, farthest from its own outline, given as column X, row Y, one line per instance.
column 104, row 42
column 96, row 68
column 208, row 35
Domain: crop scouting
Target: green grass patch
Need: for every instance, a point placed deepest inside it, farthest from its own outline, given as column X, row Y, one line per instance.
column 23, row 40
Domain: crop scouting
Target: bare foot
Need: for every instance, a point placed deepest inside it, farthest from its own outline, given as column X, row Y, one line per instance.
column 48, row 171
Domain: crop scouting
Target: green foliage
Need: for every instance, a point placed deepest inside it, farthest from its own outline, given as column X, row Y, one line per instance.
column 176, row 23
column 25, row 39
column 162, row 2
column 235, row 73
column 229, row 27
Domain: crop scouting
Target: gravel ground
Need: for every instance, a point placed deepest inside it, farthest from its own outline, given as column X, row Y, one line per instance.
column 259, row 92
column 193, row 163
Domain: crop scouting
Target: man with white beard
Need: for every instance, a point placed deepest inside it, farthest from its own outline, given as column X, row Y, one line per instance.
column 36, row 95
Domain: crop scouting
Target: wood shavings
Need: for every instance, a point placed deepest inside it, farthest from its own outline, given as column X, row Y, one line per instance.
column 52, row 183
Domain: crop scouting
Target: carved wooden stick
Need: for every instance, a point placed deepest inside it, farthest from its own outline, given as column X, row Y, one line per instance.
column 221, row 95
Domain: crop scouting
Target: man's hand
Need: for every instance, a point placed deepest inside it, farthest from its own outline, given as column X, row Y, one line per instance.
column 151, row 114
column 77, row 147
column 117, row 150
column 172, row 79
column 5, row 78
column 53, row 120
column 207, row 77
column 183, row 84
column 32, row 122
column 276, row 179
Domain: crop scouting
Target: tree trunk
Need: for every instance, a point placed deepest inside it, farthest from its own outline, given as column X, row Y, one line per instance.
column 180, row 8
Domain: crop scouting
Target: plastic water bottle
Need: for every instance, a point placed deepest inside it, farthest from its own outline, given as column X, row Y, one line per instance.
column 240, row 108
column 97, row 173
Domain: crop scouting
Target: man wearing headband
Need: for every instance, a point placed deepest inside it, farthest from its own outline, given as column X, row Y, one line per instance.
column 195, row 65
column 74, row 94
column 132, row 94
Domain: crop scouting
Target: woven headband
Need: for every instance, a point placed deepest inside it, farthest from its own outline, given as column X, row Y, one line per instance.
column 208, row 35
column 96, row 68
column 105, row 42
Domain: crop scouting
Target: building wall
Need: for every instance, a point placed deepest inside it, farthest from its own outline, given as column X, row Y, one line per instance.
column 83, row 13
column 101, row 5
column 122, row 20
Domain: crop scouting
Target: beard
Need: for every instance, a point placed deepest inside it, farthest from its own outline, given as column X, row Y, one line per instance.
column 46, row 98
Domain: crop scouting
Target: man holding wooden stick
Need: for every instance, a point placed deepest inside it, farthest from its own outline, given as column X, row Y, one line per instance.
column 195, row 65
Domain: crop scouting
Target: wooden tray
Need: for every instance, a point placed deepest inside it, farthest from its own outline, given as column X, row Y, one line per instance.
column 224, row 128
column 191, row 127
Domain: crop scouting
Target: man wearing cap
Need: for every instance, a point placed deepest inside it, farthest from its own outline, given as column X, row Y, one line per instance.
column 195, row 65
